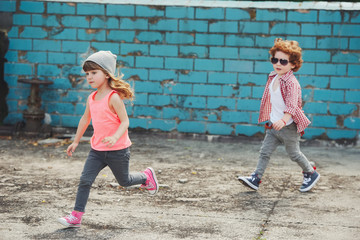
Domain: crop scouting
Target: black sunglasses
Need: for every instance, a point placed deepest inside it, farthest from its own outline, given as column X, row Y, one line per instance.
column 283, row 62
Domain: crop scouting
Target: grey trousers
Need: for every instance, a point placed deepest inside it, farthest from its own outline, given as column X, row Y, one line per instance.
column 118, row 161
column 288, row 136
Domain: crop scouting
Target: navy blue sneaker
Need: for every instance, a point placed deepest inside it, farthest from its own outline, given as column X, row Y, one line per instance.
column 252, row 182
column 310, row 179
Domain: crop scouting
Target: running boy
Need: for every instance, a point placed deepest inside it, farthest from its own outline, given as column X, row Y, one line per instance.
column 281, row 105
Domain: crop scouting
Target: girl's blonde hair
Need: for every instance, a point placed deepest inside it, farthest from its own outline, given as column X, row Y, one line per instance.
column 291, row 48
column 116, row 83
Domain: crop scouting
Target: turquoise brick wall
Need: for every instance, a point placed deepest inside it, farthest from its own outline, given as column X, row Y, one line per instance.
column 194, row 69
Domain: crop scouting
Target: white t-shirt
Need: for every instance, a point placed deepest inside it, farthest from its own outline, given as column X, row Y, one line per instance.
column 277, row 104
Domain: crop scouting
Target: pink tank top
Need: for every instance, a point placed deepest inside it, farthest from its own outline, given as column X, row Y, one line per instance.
column 105, row 124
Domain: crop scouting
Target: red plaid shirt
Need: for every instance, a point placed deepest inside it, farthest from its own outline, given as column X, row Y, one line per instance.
column 291, row 93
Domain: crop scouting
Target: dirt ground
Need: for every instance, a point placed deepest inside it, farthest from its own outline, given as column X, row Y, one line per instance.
column 38, row 184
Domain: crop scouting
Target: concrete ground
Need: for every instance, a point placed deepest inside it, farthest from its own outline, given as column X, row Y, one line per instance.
column 200, row 197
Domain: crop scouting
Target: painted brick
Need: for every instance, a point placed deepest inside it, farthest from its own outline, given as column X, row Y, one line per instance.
column 33, row 32
column 238, row 66
column 316, row 29
column 252, row 79
column 354, row 44
column 163, row 125
column 266, row 41
column 222, row 77
column 12, row 56
column 159, row 100
column 134, row 49
column 90, row 9
column 248, row 104
column 146, row 11
column 61, row 83
column 60, row 8
column 207, row 90
column 305, row 42
column 65, row 34
column 205, row 115
column 132, row 73
column 314, row 81
column 237, row 14
column 192, row 102
column 141, row 99
column 179, row 12
column 66, row 70
column 208, row 65
column 190, row 126
column 128, row 23
column 148, row 87
column 330, row 16
column 224, row 26
column 308, row 16
column 22, row 19
column 330, row 69
column 12, row 118
column 179, row 113
column 16, row 68
column 213, row 103
column 352, row 96
column 346, row 57
column 209, row 39
column 270, row 15
column 32, row 7
column 138, row 123
column 315, row 107
column 341, row 108
column 333, row 43
column 254, row 27
column 71, row 46
column 98, row 35
column 254, row 118
column 354, row 70
column 262, row 67
column 285, row 28
column 108, row 23
column 352, row 123
column 210, row 13
column 338, row 134
column 219, row 128
column 164, row 50
column 14, row 32
column 47, row 45
column 324, row 121
column 245, row 92
column 8, row 6
column 127, row 61
column 20, row 44
column 179, row 63
column 313, row 133
column 235, row 40
column 69, row 121
column 62, row 58
column 62, row 108
column 346, row 30
column 35, row 57
column 193, row 26
column 257, row 92
column 248, row 130
column 193, row 77
column 113, row 47
column 115, row 35
column 179, row 38
column 307, row 95
column 121, row 10
column 224, row 52
column 316, row 56
column 308, row 68
column 164, row 25
column 194, row 51
column 235, row 117
column 146, row 111
column 161, row 75
column 19, row 93
column 254, row 54
column 48, row 21
column 178, row 88
column 344, row 83
column 354, row 18
column 230, row 91
column 75, row 21
column 328, row 95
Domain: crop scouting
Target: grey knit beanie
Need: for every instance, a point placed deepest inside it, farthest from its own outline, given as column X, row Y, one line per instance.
column 105, row 59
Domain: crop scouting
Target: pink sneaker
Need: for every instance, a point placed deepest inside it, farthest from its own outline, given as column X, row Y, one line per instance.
column 151, row 183
column 72, row 220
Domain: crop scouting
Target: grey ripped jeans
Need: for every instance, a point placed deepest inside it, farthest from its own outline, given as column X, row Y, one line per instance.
column 289, row 136
column 118, row 161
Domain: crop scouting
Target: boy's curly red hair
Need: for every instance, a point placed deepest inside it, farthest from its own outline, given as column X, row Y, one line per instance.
column 291, row 48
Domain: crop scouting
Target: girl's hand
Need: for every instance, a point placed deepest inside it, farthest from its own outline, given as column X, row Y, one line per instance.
column 109, row 141
column 278, row 125
column 71, row 149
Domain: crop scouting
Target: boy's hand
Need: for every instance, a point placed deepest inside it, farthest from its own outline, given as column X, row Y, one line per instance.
column 71, row 149
column 109, row 141
column 278, row 125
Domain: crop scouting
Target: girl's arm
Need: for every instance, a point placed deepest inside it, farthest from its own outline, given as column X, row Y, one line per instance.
column 82, row 126
column 118, row 106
